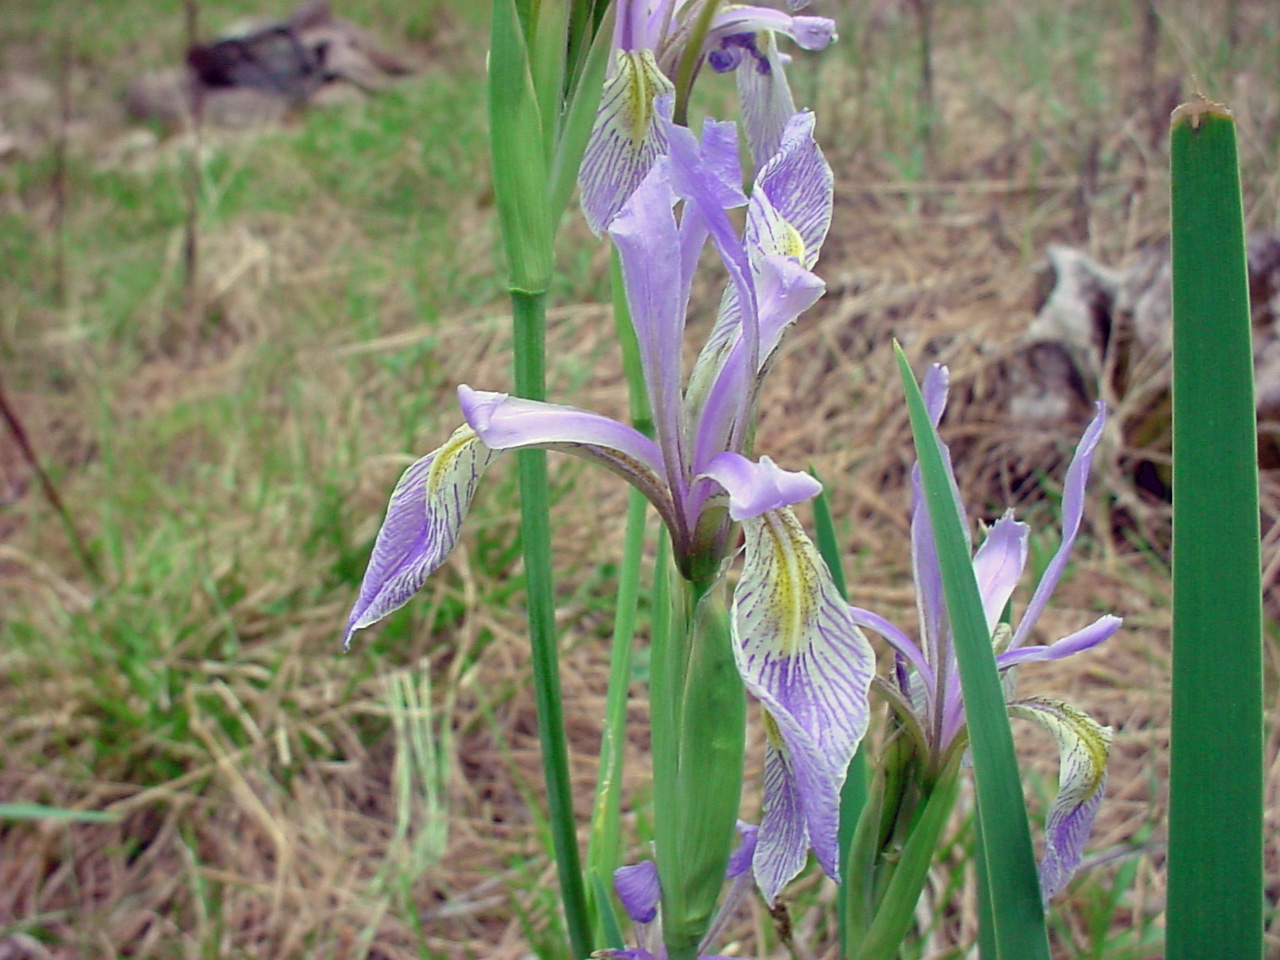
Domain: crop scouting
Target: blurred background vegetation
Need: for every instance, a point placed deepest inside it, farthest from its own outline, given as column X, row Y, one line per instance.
column 224, row 440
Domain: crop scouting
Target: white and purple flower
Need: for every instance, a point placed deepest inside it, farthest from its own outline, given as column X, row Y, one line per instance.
column 928, row 679
column 797, row 646
column 651, row 40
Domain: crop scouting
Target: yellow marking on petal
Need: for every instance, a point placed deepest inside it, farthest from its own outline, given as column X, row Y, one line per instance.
column 794, row 584
column 772, row 733
column 643, row 81
column 458, row 445
column 792, row 244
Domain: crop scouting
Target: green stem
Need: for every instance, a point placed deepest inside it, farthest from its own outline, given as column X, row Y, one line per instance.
column 602, row 855
column 529, row 318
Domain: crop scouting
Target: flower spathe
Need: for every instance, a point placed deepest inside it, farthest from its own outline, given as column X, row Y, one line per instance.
column 651, row 37
column 798, row 649
column 931, row 687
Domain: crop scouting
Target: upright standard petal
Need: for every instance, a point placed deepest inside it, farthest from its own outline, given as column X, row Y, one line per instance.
column 1072, row 514
column 625, row 141
column 1083, row 748
column 801, row 654
column 998, row 565
column 657, row 286
column 426, row 511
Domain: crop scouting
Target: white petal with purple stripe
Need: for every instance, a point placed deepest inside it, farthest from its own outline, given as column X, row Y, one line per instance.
column 427, row 508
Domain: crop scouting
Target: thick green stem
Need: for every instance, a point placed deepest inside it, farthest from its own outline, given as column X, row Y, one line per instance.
column 529, row 317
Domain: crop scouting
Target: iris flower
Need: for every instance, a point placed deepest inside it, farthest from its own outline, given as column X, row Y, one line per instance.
column 640, row 891
column 651, row 41
column 797, row 646
column 928, row 679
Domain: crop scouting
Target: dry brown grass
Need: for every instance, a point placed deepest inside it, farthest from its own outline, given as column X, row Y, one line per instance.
column 278, row 837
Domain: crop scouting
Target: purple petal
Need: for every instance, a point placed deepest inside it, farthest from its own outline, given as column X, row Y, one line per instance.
column 811, row 33
column 424, row 516
column 898, row 640
column 1084, row 639
column 1083, row 748
column 798, row 182
column 754, row 488
column 801, row 654
column 998, row 565
column 508, row 423
column 625, row 141
column 639, row 890
column 784, row 290
column 937, row 379
column 657, row 285
column 740, row 859
column 801, row 807
column 1072, row 514
column 766, row 99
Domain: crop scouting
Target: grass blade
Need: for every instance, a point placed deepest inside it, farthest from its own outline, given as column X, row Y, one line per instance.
column 1011, row 868
column 1216, row 743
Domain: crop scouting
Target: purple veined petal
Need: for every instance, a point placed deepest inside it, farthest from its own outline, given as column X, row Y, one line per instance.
column 424, row 515
column 639, row 890
column 798, row 182
column 801, row 654
column 649, row 248
column 801, row 807
column 510, row 423
column 898, row 640
column 757, row 487
column 998, row 565
column 625, row 141
column 1072, row 513
column 1084, row 639
column 1083, row 748
column 766, row 99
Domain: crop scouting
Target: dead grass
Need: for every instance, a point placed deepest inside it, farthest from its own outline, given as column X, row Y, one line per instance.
column 232, row 470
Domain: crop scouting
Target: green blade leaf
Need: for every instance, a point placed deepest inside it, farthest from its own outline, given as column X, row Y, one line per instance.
column 578, row 119
column 1216, row 743
column 519, row 151
column 1011, row 867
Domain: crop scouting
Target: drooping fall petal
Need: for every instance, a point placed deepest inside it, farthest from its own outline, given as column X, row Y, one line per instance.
column 801, row 654
column 625, row 141
column 426, row 511
column 1083, row 748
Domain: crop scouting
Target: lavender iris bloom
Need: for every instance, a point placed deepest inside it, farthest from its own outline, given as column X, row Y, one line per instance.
column 797, row 646
column 650, row 40
column 640, row 890
column 928, row 676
